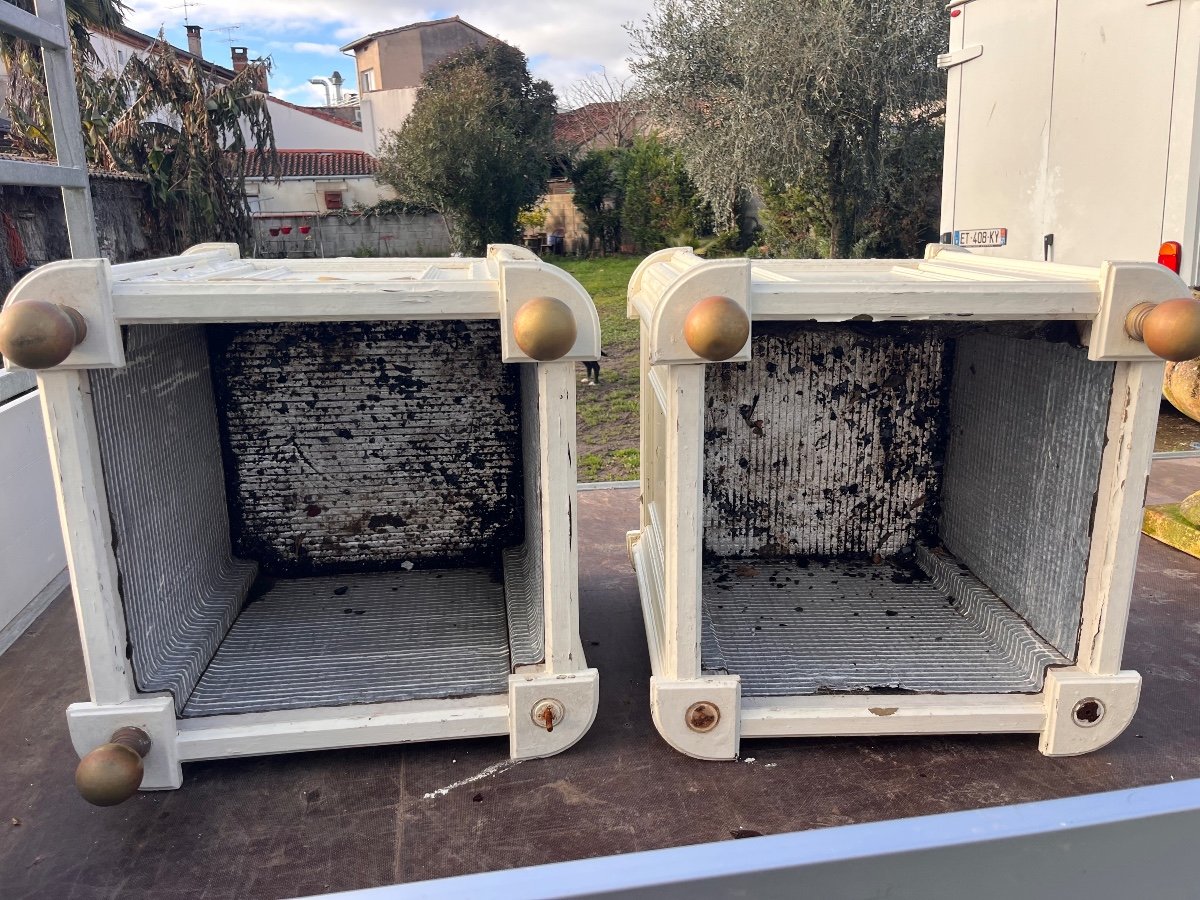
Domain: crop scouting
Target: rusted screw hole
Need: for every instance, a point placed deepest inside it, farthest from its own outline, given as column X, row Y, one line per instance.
column 703, row 716
column 548, row 713
column 1088, row 712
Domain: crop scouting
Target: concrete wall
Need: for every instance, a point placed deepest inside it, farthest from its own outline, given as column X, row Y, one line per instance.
column 398, row 61
column 367, row 59
column 384, row 112
column 563, row 215
column 444, row 40
column 307, row 195
column 405, row 234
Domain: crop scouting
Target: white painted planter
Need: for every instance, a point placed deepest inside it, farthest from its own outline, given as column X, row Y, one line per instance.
column 127, row 533
column 909, row 505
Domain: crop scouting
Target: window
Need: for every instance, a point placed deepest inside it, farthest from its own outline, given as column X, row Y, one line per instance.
column 333, row 199
column 367, row 80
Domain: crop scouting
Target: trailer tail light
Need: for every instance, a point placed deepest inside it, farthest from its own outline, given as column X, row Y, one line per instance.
column 1170, row 255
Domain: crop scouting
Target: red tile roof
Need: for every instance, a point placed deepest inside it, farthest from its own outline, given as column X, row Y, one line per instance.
column 317, row 164
column 578, row 126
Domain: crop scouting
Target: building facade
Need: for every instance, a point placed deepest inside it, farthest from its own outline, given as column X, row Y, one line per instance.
column 391, row 64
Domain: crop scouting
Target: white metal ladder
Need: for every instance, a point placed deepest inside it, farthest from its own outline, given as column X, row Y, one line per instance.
column 49, row 29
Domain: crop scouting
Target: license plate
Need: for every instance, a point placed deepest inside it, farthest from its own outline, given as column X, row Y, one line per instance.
column 981, row 237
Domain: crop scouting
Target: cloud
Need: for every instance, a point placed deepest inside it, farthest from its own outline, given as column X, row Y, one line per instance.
column 564, row 38
column 300, row 94
column 319, row 49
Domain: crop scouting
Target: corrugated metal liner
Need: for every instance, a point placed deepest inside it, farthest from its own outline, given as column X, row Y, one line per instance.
column 157, row 430
column 337, row 640
column 844, row 626
column 524, row 577
column 1028, row 423
column 826, row 443
column 357, row 446
column 523, row 597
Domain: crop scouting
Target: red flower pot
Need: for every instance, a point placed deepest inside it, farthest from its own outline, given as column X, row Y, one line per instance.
column 286, row 229
column 274, row 232
column 305, row 229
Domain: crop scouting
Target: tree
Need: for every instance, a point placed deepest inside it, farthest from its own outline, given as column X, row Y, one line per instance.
column 187, row 134
column 661, row 204
column 810, row 97
column 639, row 196
column 599, row 180
column 477, row 146
column 603, row 109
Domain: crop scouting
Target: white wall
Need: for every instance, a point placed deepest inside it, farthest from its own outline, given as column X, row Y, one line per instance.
column 111, row 53
column 294, row 128
column 32, row 559
column 384, row 111
column 306, row 195
column 297, row 130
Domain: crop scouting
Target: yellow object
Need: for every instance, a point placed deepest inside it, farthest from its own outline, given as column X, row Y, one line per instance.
column 545, row 329
column 1167, row 524
column 716, row 328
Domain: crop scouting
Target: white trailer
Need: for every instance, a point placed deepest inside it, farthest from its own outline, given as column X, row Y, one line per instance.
column 1072, row 133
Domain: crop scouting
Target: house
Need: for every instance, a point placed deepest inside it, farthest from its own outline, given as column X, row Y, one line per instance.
column 391, row 64
column 325, row 203
column 296, row 127
column 313, row 182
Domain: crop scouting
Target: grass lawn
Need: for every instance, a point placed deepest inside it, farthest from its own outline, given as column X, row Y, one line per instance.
column 608, row 412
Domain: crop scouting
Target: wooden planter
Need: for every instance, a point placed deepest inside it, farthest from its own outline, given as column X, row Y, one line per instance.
column 895, row 498
column 326, row 503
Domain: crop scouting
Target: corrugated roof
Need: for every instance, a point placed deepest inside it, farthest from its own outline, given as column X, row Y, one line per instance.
column 317, row 164
column 378, row 34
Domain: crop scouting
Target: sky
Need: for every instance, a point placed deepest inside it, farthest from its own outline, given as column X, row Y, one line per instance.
column 564, row 39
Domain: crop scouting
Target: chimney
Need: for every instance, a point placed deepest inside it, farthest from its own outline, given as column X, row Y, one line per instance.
column 336, row 80
column 241, row 59
column 194, row 47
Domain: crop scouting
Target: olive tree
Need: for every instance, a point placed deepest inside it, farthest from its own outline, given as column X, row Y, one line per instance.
column 810, row 97
column 477, row 146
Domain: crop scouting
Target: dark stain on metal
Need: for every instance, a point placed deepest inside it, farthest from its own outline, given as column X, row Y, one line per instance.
column 355, row 446
column 828, row 442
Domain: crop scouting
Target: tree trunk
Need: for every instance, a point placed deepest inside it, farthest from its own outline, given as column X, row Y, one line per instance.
column 842, row 208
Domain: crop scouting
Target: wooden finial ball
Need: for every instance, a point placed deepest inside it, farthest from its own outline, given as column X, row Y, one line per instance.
column 1171, row 330
column 716, row 328
column 36, row 334
column 109, row 775
column 545, row 329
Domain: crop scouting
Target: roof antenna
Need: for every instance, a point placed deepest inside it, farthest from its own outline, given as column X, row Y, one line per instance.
column 228, row 31
column 187, row 4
